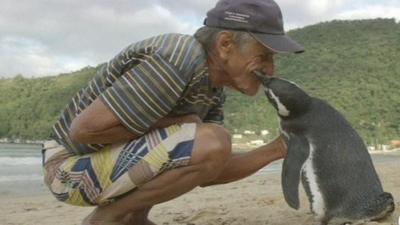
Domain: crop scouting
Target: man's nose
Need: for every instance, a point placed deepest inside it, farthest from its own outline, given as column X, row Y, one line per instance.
column 268, row 69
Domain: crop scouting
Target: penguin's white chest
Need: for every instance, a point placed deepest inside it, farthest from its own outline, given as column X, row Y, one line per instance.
column 317, row 200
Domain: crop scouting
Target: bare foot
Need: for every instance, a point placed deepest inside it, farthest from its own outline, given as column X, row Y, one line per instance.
column 146, row 222
column 149, row 222
column 138, row 217
column 95, row 218
column 137, row 220
column 90, row 221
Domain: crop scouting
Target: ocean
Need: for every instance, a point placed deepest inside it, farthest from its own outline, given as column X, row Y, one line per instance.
column 20, row 170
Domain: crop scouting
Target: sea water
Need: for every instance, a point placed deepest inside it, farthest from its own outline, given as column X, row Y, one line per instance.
column 21, row 170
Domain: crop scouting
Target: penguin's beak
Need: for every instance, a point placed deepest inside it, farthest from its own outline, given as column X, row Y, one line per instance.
column 262, row 77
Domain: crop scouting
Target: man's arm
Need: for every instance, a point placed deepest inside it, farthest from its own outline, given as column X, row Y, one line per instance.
column 98, row 125
column 241, row 165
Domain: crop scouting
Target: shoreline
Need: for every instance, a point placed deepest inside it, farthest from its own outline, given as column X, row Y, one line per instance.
column 18, row 184
column 28, row 142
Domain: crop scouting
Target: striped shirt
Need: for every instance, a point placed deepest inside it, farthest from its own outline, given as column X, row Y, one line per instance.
column 165, row 75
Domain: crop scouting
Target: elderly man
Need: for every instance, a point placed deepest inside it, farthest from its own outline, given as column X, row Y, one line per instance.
column 148, row 127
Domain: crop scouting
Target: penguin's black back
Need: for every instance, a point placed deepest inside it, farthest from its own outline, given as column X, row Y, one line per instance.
column 345, row 172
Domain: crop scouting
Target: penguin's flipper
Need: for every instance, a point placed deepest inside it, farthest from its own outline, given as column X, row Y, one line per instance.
column 297, row 154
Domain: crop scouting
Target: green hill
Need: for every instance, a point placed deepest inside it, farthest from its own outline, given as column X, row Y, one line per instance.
column 354, row 65
column 29, row 107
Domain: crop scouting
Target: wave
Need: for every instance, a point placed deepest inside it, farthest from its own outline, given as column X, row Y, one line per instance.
column 16, row 161
column 32, row 177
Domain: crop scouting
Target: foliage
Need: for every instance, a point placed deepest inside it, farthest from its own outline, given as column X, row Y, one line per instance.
column 29, row 107
column 351, row 64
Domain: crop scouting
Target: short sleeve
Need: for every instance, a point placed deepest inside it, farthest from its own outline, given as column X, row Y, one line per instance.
column 216, row 113
column 145, row 93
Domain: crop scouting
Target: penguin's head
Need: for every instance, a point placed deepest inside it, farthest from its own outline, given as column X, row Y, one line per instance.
column 286, row 97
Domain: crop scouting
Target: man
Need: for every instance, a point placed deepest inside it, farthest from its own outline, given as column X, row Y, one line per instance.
column 147, row 128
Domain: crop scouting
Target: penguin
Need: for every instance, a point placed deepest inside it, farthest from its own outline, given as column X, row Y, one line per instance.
column 328, row 156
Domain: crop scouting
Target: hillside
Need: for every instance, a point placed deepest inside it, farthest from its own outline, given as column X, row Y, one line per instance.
column 29, row 107
column 351, row 64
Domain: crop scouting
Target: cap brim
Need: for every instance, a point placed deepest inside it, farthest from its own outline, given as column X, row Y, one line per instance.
column 279, row 43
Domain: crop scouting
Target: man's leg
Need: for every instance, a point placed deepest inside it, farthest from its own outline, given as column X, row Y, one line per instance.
column 211, row 149
column 240, row 165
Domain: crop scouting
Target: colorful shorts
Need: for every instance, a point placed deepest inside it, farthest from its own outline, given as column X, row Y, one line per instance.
column 101, row 177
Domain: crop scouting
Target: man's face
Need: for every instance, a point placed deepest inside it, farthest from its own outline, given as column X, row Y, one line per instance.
column 243, row 61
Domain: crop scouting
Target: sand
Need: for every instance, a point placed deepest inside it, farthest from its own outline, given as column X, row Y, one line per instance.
column 256, row 200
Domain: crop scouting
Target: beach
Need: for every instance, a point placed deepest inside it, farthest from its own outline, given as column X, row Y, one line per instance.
column 256, row 200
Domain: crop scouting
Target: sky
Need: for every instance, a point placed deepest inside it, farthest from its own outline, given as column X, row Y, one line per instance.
column 48, row 37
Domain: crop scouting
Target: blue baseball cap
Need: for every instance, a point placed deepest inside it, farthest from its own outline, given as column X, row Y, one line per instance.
column 261, row 18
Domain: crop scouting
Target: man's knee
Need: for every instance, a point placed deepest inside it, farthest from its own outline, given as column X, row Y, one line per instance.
column 212, row 148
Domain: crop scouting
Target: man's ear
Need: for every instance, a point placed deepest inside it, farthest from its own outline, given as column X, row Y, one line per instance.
column 224, row 44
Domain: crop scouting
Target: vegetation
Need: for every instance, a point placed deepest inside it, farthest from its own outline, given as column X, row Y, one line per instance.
column 351, row 64
column 29, row 107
